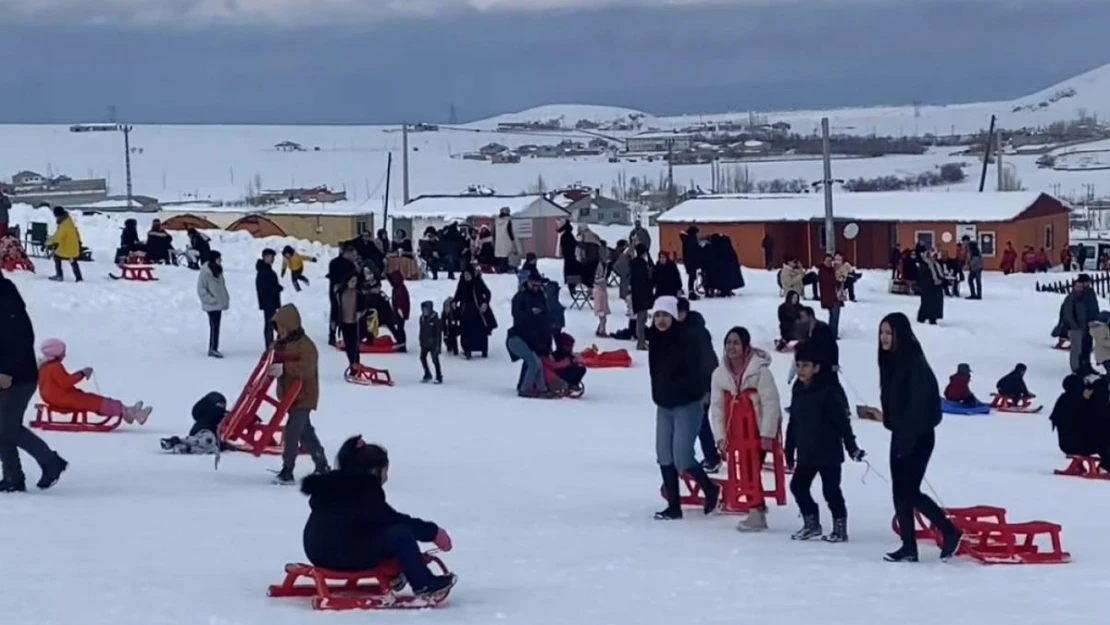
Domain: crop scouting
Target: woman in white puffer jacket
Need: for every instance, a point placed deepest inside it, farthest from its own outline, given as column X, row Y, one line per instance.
column 744, row 367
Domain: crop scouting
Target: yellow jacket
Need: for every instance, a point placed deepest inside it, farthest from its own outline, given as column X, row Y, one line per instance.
column 66, row 240
column 293, row 263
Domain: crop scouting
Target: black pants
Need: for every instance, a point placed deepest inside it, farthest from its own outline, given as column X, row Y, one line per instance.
column 709, row 451
column 349, row 332
column 394, row 542
column 424, row 353
column 830, row 488
column 298, row 278
column 72, row 264
column 333, row 315
column 268, row 327
column 214, row 317
column 691, row 280
column 299, row 433
column 398, row 332
column 14, row 436
column 906, row 475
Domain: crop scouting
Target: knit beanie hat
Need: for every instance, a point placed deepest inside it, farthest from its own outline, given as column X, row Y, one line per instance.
column 53, row 348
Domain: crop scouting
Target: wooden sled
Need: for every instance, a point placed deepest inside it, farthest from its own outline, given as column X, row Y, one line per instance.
column 380, row 345
column 1002, row 403
column 1089, row 467
column 592, row 358
column 368, row 376
column 360, row 590
column 54, row 420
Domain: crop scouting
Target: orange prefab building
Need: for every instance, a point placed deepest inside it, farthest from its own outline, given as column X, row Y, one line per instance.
column 868, row 225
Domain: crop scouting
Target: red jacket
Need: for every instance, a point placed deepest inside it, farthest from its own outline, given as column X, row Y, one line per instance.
column 959, row 387
column 827, row 287
column 402, row 305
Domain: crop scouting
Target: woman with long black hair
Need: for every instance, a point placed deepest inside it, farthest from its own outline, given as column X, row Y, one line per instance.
column 910, row 400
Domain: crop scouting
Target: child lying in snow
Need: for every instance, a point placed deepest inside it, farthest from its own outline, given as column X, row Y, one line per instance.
column 58, row 389
column 204, row 436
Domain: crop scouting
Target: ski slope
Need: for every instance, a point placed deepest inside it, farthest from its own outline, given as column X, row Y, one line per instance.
column 549, row 502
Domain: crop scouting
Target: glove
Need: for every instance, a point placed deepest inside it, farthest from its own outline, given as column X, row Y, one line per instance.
column 442, row 540
column 858, row 455
column 276, row 370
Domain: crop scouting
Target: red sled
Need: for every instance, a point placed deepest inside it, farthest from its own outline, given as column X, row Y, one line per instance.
column 368, row 376
column 592, row 358
column 989, row 538
column 51, row 419
column 135, row 273
column 244, row 429
column 18, row 264
column 1001, row 403
column 742, row 488
column 1089, row 467
column 359, row 590
column 1062, row 344
column 380, row 345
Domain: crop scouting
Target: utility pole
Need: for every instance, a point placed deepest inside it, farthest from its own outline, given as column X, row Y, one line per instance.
column 998, row 159
column 671, row 195
column 987, row 154
column 830, row 227
column 405, row 163
column 126, row 130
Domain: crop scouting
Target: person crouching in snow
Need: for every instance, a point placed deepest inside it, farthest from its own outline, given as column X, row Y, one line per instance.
column 959, row 387
column 203, row 437
column 58, row 389
column 353, row 528
column 818, row 433
column 745, row 368
column 297, row 359
column 1012, row 385
column 431, row 335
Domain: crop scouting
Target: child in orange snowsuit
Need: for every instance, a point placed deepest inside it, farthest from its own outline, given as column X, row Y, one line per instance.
column 58, row 389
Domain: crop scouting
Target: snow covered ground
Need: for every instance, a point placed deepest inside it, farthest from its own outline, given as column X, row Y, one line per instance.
column 549, row 503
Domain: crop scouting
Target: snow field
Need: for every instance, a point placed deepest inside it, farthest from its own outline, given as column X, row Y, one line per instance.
column 549, row 502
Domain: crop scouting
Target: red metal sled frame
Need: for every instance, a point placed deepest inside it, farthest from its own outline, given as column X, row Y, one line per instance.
column 368, row 376
column 244, row 429
column 1088, row 467
column 742, row 489
column 137, row 273
column 1002, row 403
column 19, row 264
column 990, row 539
column 360, row 590
column 79, row 421
column 380, row 345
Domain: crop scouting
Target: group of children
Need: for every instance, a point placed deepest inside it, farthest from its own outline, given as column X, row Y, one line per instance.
column 1010, row 386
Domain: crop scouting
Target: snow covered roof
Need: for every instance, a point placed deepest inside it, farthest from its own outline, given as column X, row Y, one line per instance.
column 463, row 206
column 893, row 206
column 324, row 209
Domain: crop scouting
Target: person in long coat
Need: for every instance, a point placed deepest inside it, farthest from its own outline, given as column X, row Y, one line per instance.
column 472, row 298
column 568, row 249
column 667, row 279
column 691, row 259
column 504, row 240
column 641, row 292
column 930, row 286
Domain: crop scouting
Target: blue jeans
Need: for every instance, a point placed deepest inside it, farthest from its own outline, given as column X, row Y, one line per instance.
column 676, row 430
column 533, row 373
column 400, row 544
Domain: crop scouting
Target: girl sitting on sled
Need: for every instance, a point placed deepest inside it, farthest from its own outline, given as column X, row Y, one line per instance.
column 59, row 391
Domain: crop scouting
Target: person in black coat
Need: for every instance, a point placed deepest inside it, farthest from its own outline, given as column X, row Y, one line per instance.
column 201, row 246
column 159, row 244
column 678, row 390
column 1012, row 385
column 568, row 249
column 818, row 433
column 353, row 528
column 268, row 288
column 910, row 398
column 666, row 277
column 790, row 311
column 529, row 338
column 708, row 362
column 820, row 338
column 472, row 298
column 340, row 270
column 19, row 375
column 129, row 242
column 1080, row 419
column 691, row 258
column 368, row 252
column 642, row 291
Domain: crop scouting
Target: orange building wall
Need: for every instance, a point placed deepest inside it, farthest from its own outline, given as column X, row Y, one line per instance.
column 1028, row 231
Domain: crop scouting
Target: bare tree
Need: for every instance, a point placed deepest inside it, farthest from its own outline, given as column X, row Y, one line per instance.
column 1010, row 180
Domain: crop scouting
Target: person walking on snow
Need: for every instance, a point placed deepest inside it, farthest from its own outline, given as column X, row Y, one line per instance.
column 268, row 288
column 431, row 339
column 1079, row 309
column 214, row 299
column 707, row 357
column 19, row 375
column 296, row 359
column 817, row 435
column 745, row 368
column 65, row 245
column 910, row 399
column 678, row 392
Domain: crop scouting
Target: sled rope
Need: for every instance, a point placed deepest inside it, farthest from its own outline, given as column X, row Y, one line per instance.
column 934, row 492
column 870, row 469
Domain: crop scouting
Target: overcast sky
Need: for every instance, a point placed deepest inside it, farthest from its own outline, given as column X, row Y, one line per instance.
column 366, row 61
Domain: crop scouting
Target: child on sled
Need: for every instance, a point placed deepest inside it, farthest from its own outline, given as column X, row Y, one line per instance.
column 352, row 528
column 1012, row 385
column 958, row 390
column 561, row 369
column 1081, row 420
column 59, row 391
column 203, row 437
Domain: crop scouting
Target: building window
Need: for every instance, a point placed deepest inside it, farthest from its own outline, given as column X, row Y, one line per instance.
column 1049, row 237
column 361, row 226
column 924, row 238
column 987, row 244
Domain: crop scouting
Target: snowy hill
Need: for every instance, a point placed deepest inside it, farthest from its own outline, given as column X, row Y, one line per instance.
column 569, row 113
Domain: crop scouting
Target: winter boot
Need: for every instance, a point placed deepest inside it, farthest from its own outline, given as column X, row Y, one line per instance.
column 756, row 521
column 427, row 378
column 52, row 472
column 438, row 588
column 168, row 444
column 670, row 489
column 137, row 413
column 839, row 534
column 397, row 584
column 904, row 554
column 215, row 353
column 811, row 528
column 709, row 489
column 321, row 463
column 285, row 477
column 13, row 485
column 950, row 544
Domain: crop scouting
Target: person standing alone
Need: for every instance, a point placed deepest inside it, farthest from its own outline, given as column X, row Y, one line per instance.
column 268, row 288
column 214, row 299
column 19, row 375
column 296, row 359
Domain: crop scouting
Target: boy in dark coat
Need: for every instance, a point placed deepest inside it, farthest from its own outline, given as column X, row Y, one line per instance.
column 707, row 356
column 818, row 433
column 1012, row 385
column 268, row 289
column 431, row 336
column 353, row 528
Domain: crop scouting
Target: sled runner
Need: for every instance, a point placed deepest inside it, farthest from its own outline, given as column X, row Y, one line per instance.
column 990, row 539
column 360, row 590
column 1089, row 467
column 1002, row 403
column 951, row 407
column 135, row 273
column 380, row 345
column 592, row 358
column 54, row 420
column 368, row 376
column 244, row 429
